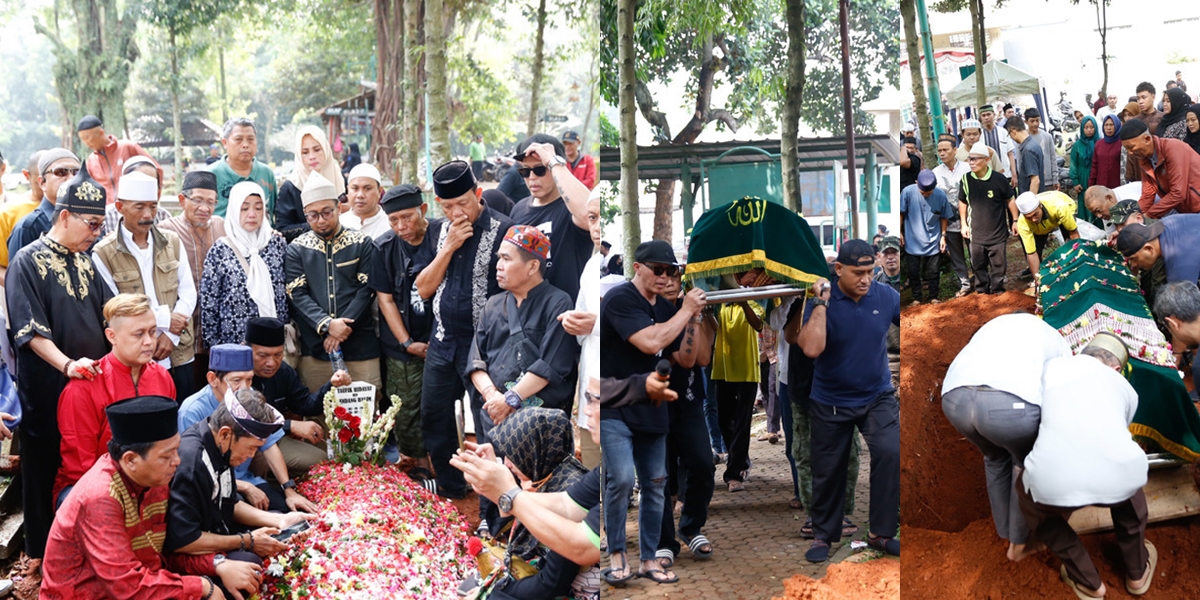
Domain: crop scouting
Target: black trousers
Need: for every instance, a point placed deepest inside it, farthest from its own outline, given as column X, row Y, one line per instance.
column 832, row 428
column 923, row 276
column 956, row 250
column 688, row 450
column 442, row 384
column 41, row 456
column 735, row 409
column 989, row 264
column 185, row 381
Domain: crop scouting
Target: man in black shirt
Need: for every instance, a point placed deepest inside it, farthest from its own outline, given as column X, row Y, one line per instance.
column 557, row 206
column 991, row 201
column 638, row 327
column 910, row 162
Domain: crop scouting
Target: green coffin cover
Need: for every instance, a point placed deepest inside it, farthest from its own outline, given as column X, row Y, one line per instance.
column 751, row 232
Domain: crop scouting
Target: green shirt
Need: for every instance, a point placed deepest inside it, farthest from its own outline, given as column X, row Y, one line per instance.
column 476, row 151
column 227, row 178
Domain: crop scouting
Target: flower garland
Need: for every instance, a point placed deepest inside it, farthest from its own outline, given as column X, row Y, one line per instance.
column 1141, row 336
column 381, row 536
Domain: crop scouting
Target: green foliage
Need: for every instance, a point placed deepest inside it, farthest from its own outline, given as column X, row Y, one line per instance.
column 610, row 135
column 149, row 90
column 30, row 118
column 480, row 102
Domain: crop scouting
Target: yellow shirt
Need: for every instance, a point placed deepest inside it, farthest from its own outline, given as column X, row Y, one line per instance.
column 1060, row 211
column 10, row 213
column 735, row 354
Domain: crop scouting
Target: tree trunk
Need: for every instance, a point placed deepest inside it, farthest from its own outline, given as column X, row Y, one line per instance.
column 176, row 116
column 1102, row 21
column 539, row 65
column 790, row 137
column 630, row 214
column 978, row 34
column 435, row 88
column 413, row 119
column 912, row 37
column 389, row 23
column 224, row 96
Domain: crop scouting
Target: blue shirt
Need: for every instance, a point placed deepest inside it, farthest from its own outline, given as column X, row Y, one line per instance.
column 30, row 228
column 923, row 220
column 1030, row 164
column 200, row 406
column 1179, row 242
column 853, row 369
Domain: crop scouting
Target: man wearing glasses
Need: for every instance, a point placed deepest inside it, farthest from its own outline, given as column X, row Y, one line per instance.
column 55, row 167
column 55, row 307
column 557, row 206
column 197, row 227
column 991, row 201
column 327, row 270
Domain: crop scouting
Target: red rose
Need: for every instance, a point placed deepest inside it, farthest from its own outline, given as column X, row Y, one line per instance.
column 344, row 435
column 474, row 546
column 341, row 413
column 355, row 422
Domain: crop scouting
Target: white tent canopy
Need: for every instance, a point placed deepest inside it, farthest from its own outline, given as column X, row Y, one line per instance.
column 1000, row 79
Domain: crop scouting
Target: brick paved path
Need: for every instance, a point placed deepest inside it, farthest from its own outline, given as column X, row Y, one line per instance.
column 755, row 535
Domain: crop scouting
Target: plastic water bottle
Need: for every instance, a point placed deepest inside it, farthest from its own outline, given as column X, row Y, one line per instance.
column 335, row 358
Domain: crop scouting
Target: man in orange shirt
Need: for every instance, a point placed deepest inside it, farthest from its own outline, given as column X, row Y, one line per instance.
column 1170, row 170
column 14, row 210
column 108, row 154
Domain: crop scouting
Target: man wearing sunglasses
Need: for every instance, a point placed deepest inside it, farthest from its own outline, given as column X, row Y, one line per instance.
column 327, row 270
column 55, row 167
column 557, row 206
column 55, row 308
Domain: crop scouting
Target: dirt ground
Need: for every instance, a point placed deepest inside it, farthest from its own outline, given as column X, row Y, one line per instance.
column 951, row 546
column 870, row 580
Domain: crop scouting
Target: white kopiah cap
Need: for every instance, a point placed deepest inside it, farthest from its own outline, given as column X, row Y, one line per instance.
column 979, row 149
column 136, row 186
column 365, row 170
column 1027, row 203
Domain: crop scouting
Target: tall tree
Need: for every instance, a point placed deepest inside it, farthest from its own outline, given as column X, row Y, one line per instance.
column 437, row 111
column 793, row 94
column 390, row 56
column 539, row 65
column 91, row 77
column 912, row 37
column 978, row 38
column 626, row 17
column 414, row 40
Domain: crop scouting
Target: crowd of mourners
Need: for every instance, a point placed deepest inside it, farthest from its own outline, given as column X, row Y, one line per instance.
column 170, row 370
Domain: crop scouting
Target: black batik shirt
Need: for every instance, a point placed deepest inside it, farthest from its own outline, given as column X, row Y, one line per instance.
column 203, row 490
column 329, row 279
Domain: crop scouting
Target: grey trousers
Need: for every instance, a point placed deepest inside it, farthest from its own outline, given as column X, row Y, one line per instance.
column 1003, row 427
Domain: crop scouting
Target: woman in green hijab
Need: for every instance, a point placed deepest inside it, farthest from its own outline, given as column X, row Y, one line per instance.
column 1081, row 163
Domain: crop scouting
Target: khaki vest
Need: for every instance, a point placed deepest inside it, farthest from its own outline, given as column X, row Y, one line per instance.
column 128, row 277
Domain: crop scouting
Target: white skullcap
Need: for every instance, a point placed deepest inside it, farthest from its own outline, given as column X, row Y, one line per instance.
column 971, row 124
column 137, row 186
column 365, row 170
column 316, row 189
column 1027, row 203
column 979, row 149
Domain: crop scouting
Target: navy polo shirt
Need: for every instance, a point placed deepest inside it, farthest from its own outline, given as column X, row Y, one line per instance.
column 853, row 369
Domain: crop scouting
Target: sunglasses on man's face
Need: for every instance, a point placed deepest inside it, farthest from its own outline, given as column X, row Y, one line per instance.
column 525, row 171
column 658, row 270
column 64, row 171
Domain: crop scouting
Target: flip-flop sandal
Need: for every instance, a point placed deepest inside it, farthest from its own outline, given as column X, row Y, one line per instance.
column 736, row 486
column 1074, row 586
column 1149, row 572
column 818, row 552
column 653, row 575
column 884, row 545
column 795, row 504
column 806, row 530
column 665, row 558
column 615, row 581
column 695, row 544
column 848, row 527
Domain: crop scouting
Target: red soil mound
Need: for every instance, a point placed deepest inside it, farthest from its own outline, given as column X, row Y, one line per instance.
column 871, row 580
column 942, row 472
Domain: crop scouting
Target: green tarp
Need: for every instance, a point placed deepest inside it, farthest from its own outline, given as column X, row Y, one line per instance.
column 1086, row 288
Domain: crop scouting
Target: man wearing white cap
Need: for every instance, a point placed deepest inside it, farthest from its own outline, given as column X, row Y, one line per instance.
column 141, row 258
column 972, row 130
column 364, row 188
column 327, row 270
column 989, row 196
column 1041, row 214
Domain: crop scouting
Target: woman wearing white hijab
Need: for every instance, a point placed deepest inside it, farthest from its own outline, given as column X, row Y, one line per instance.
column 312, row 155
column 243, row 273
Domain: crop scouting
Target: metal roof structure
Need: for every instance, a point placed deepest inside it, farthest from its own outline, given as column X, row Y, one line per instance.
column 667, row 161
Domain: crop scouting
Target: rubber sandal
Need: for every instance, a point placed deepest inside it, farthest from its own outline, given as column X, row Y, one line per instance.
column 610, row 579
column 1149, row 572
column 848, row 527
column 885, row 545
column 806, row 530
column 695, row 544
column 1079, row 593
column 665, row 558
column 736, row 486
column 795, row 504
column 652, row 577
column 818, row 552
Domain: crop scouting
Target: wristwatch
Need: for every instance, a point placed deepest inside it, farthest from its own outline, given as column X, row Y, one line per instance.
column 506, row 499
column 289, row 484
column 404, row 346
column 820, row 302
column 512, row 398
column 218, row 559
column 556, row 161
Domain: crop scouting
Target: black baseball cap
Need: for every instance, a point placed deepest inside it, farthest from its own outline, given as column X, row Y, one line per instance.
column 1134, row 236
column 856, row 253
column 655, row 251
column 539, row 138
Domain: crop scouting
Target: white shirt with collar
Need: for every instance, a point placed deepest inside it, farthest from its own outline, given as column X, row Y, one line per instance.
column 184, row 305
column 374, row 226
column 1008, row 354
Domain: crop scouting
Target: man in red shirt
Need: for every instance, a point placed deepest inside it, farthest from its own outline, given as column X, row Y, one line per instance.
column 1170, row 170
column 107, row 537
column 108, row 154
column 128, row 371
column 583, row 166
